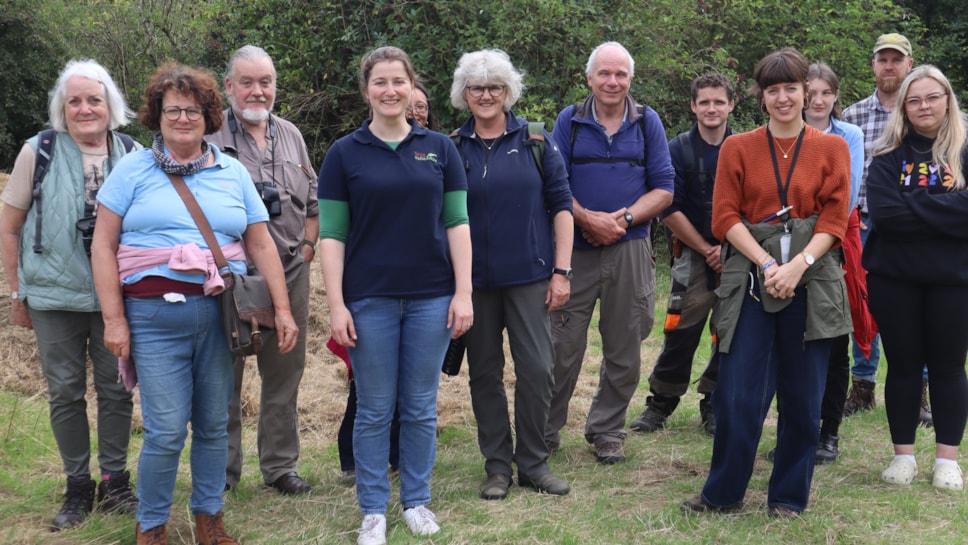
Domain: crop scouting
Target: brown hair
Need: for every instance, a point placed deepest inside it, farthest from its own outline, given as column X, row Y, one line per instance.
column 819, row 70
column 712, row 80
column 384, row 54
column 784, row 66
column 197, row 83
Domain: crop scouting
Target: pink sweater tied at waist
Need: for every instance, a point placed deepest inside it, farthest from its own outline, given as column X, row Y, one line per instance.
column 187, row 258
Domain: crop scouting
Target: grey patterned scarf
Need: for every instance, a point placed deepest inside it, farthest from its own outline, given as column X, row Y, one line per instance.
column 169, row 165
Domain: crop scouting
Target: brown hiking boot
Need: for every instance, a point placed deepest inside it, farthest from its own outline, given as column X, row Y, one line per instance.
column 78, row 503
column 861, row 397
column 210, row 531
column 155, row 536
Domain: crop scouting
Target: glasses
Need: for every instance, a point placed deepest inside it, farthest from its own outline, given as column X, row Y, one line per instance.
column 419, row 107
column 173, row 113
column 477, row 91
column 914, row 103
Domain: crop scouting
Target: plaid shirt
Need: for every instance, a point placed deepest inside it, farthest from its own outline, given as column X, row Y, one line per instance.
column 871, row 116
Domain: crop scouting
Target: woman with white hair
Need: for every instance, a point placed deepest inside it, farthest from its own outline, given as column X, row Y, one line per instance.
column 521, row 235
column 45, row 228
column 917, row 267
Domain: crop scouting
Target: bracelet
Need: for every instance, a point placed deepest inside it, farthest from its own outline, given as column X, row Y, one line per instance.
column 761, row 256
column 309, row 243
column 769, row 264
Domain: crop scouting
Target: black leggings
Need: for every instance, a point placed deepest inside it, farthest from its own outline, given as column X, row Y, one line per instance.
column 923, row 324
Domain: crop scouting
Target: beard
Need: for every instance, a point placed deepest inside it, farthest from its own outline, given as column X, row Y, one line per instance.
column 889, row 86
column 252, row 115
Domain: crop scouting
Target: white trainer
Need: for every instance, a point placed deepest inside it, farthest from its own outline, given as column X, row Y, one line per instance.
column 373, row 531
column 421, row 521
column 901, row 471
column 948, row 476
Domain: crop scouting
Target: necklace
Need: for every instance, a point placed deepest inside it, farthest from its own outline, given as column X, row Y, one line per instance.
column 785, row 152
column 488, row 142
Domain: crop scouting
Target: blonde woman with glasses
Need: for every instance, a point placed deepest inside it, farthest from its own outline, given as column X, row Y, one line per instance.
column 917, row 263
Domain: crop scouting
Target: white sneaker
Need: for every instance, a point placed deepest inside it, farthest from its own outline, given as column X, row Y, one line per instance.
column 948, row 476
column 421, row 521
column 373, row 531
column 901, row 471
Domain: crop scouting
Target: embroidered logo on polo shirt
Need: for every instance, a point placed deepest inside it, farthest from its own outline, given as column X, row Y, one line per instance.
column 425, row 156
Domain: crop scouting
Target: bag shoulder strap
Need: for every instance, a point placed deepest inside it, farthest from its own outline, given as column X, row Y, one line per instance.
column 200, row 220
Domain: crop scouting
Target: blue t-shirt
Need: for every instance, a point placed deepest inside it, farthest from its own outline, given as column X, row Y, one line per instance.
column 154, row 215
column 397, row 241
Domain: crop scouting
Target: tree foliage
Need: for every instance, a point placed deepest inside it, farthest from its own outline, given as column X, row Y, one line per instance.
column 26, row 72
column 317, row 46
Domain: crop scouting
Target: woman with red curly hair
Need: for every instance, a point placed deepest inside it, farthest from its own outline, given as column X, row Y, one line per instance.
column 156, row 277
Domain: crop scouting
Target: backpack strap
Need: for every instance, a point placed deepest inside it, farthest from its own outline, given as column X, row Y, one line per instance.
column 635, row 162
column 45, row 148
column 536, row 141
column 127, row 141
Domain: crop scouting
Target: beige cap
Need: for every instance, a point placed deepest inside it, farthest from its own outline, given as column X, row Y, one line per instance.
column 893, row 41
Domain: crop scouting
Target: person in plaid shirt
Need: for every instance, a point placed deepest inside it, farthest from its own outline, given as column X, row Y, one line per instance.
column 892, row 62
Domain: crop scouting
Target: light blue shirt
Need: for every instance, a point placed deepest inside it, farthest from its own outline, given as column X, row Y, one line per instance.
column 855, row 142
column 154, row 215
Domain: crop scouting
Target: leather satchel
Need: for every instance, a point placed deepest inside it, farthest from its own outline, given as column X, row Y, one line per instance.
column 248, row 316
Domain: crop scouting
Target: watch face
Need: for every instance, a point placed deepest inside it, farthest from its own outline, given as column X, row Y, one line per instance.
column 628, row 218
column 809, row 259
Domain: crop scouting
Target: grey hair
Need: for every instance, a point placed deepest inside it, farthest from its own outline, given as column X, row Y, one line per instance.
column 594, row 56
column 486, row 66
column 119, row 113
column 249, row 53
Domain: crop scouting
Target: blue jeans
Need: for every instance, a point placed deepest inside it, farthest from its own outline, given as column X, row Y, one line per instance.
column 396, row 365
column 185, row 374
column 865, row 368
column 768, row 356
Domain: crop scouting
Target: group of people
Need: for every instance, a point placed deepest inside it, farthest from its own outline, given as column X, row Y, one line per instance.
column 503, row 226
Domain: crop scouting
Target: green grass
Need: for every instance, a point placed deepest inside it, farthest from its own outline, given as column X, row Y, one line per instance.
column 632, row 503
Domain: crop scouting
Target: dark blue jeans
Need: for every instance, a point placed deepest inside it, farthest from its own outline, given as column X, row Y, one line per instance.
column 768, row 356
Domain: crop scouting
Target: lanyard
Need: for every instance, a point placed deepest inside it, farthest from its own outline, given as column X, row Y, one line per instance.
column 781, row 188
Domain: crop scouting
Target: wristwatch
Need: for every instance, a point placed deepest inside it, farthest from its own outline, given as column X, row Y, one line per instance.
column 14, row 296
column 809, row 259
column 567, row 273
column 628, row 219
column 309, row 243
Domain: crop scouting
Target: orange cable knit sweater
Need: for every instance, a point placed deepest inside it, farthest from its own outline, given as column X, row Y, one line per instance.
column 746, row 183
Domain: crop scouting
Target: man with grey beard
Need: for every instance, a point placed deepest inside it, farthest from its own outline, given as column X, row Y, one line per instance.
column 274, row 152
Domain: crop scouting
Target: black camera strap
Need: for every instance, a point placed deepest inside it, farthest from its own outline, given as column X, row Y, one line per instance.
column 271, row 137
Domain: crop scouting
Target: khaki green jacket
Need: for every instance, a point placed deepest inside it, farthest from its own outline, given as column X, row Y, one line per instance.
column 828, row 312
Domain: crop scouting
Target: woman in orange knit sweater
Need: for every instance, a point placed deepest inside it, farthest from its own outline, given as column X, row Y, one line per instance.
column 780, row 204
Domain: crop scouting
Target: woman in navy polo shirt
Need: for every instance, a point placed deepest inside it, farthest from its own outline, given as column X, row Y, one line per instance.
column 396, row 257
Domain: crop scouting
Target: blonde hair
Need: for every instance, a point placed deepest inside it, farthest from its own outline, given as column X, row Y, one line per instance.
column 950, row 142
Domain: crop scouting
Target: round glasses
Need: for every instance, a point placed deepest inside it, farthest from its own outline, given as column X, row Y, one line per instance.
column 173, row 113
column 477, row 91
column 932, row 100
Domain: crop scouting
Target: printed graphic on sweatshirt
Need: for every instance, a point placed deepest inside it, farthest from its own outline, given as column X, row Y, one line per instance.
column 925, row 175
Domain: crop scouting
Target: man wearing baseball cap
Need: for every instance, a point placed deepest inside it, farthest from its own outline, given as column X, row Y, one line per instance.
column 892, row 62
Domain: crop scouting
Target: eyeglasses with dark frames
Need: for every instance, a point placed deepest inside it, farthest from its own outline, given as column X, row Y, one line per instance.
column 173, row 113
column 477, row 91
